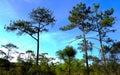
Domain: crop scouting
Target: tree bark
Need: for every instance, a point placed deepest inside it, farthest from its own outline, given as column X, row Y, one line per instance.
column 86, row 54
column 69, row 65
column 38, row 34
column 101, row 48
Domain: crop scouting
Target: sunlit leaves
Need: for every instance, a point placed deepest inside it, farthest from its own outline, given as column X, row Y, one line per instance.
column 79, row 18
column 106, row 21
column 65, row 53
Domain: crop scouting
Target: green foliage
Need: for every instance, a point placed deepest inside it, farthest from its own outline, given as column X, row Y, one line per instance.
column 66, row 53
column 108, row 19
column 79, row 18
column 42, row 16
column 22, row 27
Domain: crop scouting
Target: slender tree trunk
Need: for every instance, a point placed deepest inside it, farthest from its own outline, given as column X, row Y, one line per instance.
column 100, row 40
column 69, row 65
column 8, row 55
column 86, row 54
column 38, row 34
column 103, row 55
column 101, row 48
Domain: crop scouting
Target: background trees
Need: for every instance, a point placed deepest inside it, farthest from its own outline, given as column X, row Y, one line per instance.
column 9, row 47
column 2, row 54
column 112, row 55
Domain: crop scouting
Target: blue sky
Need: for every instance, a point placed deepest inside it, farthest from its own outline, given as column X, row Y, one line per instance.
column 55, row 39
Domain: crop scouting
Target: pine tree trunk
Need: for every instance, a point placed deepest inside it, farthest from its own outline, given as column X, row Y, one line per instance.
column 86, row 54
column 103, row 54
column 101, row 48
column 69, row 65
column 38, row 34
